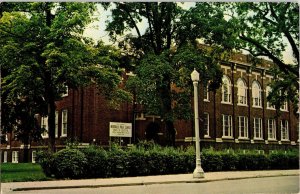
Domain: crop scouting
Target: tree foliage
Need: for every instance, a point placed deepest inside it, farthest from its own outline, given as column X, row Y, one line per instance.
column 267, row 30
column 43, row 52
column 166, row 50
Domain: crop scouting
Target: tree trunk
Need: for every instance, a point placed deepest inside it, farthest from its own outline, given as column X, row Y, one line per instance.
column 51, row 124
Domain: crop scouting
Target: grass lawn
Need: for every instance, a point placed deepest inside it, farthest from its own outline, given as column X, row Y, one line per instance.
column 22, row 172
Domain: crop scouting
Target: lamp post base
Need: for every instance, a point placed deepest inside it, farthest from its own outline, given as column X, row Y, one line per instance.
column 198, row 173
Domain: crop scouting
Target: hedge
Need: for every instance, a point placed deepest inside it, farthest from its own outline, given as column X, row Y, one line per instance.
column 148, row 159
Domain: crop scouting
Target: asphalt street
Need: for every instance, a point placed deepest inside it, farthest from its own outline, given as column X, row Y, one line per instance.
column 283, row 184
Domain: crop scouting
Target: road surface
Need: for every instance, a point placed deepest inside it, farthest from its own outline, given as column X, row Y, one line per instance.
column 283, row 184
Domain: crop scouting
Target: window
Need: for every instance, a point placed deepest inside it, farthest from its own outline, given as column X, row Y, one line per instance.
column 5, row 157
column 242, row 92
column 268, row 91
column 284, row 130
column 206, row 93
column 257, row 125
column 206, row 125
column 298, row 127
column 271, row 129
column 15, row 157
column 284, row 107
column 243, row 127
column 66, row 92
column 64, row 124
column 44, row 125
column 227, row 126
column 256, row 94
column 56, row 123
column 33, row 156
column 226, row 90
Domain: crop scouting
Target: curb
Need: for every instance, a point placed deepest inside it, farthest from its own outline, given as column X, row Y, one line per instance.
column 148, row 183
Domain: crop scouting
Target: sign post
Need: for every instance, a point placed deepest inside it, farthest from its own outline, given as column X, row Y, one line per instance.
column 117, row 129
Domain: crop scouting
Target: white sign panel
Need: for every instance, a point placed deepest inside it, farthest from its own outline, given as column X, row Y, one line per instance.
column 117, row 129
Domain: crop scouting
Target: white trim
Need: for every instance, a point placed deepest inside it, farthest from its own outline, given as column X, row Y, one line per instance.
column 256, row 93
column 260, row 130
column 206, row 118
column 266, row 142
column 33, row 156
column 241, row 85
column 286, row 130
column 229, row 121
column 229, row 90
column 207, row 94
column 243, row 128
column 56, row 123
column 293, row 143
column 66, row 92
column 273, row 129
column 44, row 124
column 5, row 157
column 64, row 121
column 15, row 157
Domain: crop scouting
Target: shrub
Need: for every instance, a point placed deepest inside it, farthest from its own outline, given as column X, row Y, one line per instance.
column 117, row 161
column 252, row 161
column 282, row 160
column 138, row 160
column 46, row 160
column 189, row 156
column 69, row 163
column 211, row 160
column 151, row 159
column 229, row 160
column 293, row 159
column 97, row 165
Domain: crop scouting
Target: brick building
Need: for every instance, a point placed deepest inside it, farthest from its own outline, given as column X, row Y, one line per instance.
column 236, row 116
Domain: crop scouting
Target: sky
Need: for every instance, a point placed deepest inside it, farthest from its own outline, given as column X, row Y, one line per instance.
column 96, row 30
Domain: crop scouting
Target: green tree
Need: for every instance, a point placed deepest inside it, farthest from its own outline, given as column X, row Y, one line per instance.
column 266, row 30
column 165, row 53
column 43, row 52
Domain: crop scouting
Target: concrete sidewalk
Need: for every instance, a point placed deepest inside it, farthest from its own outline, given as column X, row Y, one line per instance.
column 144, row 180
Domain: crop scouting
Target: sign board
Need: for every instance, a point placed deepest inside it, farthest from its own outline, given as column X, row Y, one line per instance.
column 117, row 129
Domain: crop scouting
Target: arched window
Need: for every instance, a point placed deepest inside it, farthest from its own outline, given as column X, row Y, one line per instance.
column 268, row 91
column 256, row 94
column 242, row 92
column 226, row 89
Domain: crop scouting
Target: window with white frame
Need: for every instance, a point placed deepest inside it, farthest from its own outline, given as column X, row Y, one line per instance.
column 298, row 127
column 284, row 107
column 271, row 129
column 257, row 125
column 56, row 123
column 284, row 129
column 5, row 157
column 66, row 93
column 64, row 123
column 206, row 124
column 15, row 157
column 226, row 89
column 227, row 126
column 44, row 126
column 256, row 94
column 242, row 92
column 243, row 127
column 268, row 91
column 33, row 156
column 206, row 93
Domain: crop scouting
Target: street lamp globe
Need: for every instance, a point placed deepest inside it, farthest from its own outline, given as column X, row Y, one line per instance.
column 195, row 76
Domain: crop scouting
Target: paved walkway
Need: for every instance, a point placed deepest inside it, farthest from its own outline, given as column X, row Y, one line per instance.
column 143, row 180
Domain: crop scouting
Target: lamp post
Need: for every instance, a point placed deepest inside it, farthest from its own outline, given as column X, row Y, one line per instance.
column 198, row 172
